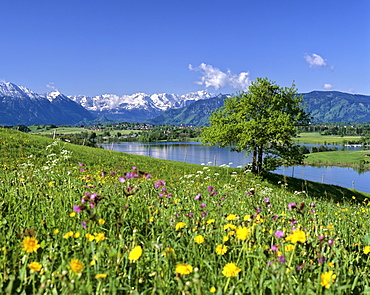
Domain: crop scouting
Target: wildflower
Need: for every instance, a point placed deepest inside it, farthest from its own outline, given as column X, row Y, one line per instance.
column 327, row 279
column 56, row 231
column 279, row 234
column 180, row 225
column 183, row 268
column 121, row 179
column 289, row 248
column 35, row 266
column 231, row 270
column 76, row 235
column 76, row 265
column 169, row 251
column 68, row 234
column 204, row 214
column 266, row 200
column 72, row 214
column 211, row 221
column 367, row 249
column 212, row 290
column 282, row 259
column 30, row 244
column 135, row 253
column 100, row 276
column 291, row 206
column 203, row 205
column 99, row 237
column 221, row 249
column 76, row 209
column 231, row 217
column 331, row 264
column 90, row 237
column 199, row 239
column 297, row 236
column 83, row 224
column 225, row 238
column 159, row 183
column 274, row 248
column 197, row 197
column 247, row 217
column 242, row 233
column 101, row 221
column 229, row 226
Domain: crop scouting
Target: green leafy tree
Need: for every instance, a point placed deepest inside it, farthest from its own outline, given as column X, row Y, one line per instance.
column 261, row 122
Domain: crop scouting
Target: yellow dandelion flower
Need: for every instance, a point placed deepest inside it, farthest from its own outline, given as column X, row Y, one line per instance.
column 180, row 225
column 101, row 276
column 367, row 249
column 135, row 253
column 72, row 214
column 199, row 239
column 242, row 233
column 56, row 231
column 221, row 249
column 231, row 270
column 231, row 217
column 90, row 237
column 76, row 265
column 169, row 251
column 212, row 290
column 30, row 244
column 297, row 236
column 231, row 233
column 92, row 262
column 331, row 264
column 183, row 268
column 76, row 235
column 225, row 238
column 99, row 237
column 229, row 226
column 247, row 217
column 68, row 234
column 211, row 221
column 327, row 279
column 151, row 219
column 101, row 221
column 35, row 266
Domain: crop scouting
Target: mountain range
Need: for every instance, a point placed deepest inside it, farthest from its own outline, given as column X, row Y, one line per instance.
column 20, row 105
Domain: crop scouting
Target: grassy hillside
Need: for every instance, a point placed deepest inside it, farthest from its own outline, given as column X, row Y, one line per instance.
column 78, row 220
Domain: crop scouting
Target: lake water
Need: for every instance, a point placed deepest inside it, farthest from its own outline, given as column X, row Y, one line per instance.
column 196, row 153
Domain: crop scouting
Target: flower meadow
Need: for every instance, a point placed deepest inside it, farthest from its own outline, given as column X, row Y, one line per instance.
column 77, row 220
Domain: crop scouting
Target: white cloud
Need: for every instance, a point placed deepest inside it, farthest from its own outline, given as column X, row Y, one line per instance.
column 315, row 60
column 327, row 86
column 51, row 86
column 214, row 77
column 352, row 90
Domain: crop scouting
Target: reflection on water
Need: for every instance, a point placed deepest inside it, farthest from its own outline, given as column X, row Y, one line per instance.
column 196, row 153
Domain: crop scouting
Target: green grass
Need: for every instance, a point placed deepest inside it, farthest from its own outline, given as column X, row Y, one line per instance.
column 316, row 138
column 42, row 184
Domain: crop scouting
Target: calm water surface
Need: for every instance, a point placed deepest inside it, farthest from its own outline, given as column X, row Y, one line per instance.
column 196, row 153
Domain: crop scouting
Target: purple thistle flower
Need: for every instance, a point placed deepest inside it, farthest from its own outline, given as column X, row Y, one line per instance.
column 203, row 205
column 321, row 259
column 92, row 205
column 133, row 167
column 291, row 206
column 210, row 189
column 331, row 242
column 321, row 237
column 279, row 234
column 147, row 176
column 76, row 208
column 103, row 173
column 82, row 170
column 312, row 205
column 274, row 248
column 267, row 200
column 80, row 164
column 204, row 214
column 275, row 217
column 159, row 183
column 129, row 175
column 121, row 179
column 191, row 214
column 93, row 196
column 113, row 172
column 83, row 224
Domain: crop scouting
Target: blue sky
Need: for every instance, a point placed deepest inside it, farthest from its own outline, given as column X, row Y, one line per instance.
column 122, row 47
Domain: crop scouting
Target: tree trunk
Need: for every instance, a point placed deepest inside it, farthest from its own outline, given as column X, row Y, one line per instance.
column 260, row 160
column 254, row 161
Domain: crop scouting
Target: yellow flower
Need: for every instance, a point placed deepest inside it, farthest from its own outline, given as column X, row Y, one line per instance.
column 297, row 236
column 221, row 249
column 199, row 239
column 231, row 217
column 92, row 262
column 327, row 279
column 169, row 251
column 289, row 248
column 30, row 244
column 35, row 266
column 212, row 290
column 100, row 276
column 231, row 270
column 331, row 264
column 77, row 235
column 247, row 217
column 68, row 234
column 367, row 249
column 99, row 237
column 90, row 237
column 211, row 221
column 225, row 238
column 183, row 268
column 135, row 253
column 242, row 233
column 72, row 214
column 229, row 226
column 101, row 221
column 151, row 219
column 56, row 231
column 76, row 265
column 180, row 225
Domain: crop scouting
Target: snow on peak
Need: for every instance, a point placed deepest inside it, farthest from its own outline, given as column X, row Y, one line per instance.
column 12, row 90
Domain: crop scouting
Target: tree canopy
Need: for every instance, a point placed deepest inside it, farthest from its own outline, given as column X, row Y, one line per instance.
column 261, row 122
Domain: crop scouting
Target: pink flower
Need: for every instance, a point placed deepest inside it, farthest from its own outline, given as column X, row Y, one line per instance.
column 76, row 208
column 121, row 179
column 279, row 234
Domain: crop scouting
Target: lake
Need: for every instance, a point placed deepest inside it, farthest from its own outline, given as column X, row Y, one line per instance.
column 196, row 153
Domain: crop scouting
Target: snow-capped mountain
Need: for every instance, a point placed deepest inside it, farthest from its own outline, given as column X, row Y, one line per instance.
column 137, row 107
column 21, row 106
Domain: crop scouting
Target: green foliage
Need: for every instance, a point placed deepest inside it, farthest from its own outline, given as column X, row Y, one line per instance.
column 264, row 120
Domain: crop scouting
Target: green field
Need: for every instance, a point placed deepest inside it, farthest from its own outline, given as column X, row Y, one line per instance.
column 79, row 220
column 317, row 138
